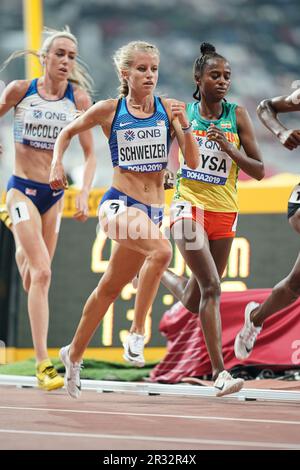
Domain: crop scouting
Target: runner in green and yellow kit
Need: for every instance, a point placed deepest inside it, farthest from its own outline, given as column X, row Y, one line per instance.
column 206, row 204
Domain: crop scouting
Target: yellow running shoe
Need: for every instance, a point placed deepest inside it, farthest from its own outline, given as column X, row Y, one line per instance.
column 4, row 217
column 47, row 376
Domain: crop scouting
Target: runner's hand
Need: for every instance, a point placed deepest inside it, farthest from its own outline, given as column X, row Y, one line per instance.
column 57, row 178
column 215, row 134
column 169, row 180
column 178, row 111
column 290, row 138
column 81, row 203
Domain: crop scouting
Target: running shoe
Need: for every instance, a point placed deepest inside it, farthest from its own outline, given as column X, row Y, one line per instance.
column 47, row 376
column 134, row 349
column 226, row 384
column 245, row 339
column 72, row 374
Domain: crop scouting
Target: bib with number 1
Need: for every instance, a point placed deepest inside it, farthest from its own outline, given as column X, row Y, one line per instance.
column 295, row 195
column 214, row 166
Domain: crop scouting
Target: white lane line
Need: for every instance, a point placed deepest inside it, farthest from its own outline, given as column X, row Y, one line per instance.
column 154, row 415
column 268, row 445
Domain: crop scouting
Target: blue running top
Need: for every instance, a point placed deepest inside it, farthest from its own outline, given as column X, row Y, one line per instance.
column 140, row 144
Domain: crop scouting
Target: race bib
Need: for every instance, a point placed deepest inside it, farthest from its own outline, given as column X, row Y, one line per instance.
column 295, row 195
column 42, row 127
column 214, row 167
column 111, row 208
column 180, row 210
column 19, row 212
column 143, row 150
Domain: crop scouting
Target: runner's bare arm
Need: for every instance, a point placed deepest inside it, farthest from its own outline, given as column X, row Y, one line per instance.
column 83, row 103
column 99, row 114
column 186, row 140
column 12, row 94
column 267, row 112
column 250, row 161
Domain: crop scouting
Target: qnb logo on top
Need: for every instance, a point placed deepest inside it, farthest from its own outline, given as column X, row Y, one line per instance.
column 142, row 134
column 37, row 114
column 129, row 135
column 153, row 133
column 208, row 144
column 49, row 115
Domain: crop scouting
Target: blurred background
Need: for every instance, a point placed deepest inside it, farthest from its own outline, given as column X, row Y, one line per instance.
column 260, row 39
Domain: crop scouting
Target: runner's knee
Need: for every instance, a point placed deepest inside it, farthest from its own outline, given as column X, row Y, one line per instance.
column 41, row 276
column 293, row 284
column 211, row 289
column 162, row 256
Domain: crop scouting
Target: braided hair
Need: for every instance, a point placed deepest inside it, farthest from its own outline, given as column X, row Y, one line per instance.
column 208, row 51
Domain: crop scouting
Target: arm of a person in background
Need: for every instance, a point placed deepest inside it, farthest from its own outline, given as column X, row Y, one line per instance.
column 100, row 113
column 83, row 102
column 186, row 140
column 252, row 162
column 267, row 112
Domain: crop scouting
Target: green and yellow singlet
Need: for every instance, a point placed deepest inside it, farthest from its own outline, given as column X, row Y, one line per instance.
column 213, row 184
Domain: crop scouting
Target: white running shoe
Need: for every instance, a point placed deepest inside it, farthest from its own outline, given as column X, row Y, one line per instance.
column 134, row 349
column 246, row 338
column 72, row 374
column 226, row 384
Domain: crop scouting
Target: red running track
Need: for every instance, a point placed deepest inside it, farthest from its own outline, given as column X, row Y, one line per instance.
column 33, row 419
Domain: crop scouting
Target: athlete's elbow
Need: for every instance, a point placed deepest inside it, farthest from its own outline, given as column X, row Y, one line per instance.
column 263, row 106
column 260, row 174
column 64, row 135
column 193, row 163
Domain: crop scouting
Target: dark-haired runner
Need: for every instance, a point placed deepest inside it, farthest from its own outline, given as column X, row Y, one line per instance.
column 287, row 290
column 207, row 199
